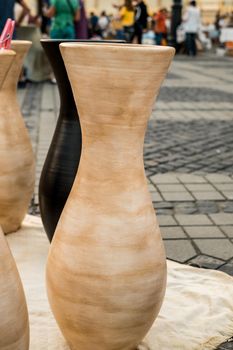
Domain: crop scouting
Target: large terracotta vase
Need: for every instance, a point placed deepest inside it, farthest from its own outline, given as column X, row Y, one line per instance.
column 64, row 154
column 106, row 270
column 16, row 156
column 14, row 325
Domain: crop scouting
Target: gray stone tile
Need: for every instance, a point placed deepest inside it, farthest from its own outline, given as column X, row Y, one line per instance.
column 214, row 195
column 219, row 178
column 151, row 187
column 177, row 196
column 222, row 218
column 219, row 248
column 179, row 250
column 163, row 205
column 191, row 179
column 172, row 232
column 156, row 197
column 228, row 230
column 166, row 220
column 228, row 194
column 225, row 187
column 203, row 231
column 164, row 179
column 171, row 188
column 193, row 220
column 227, row 268
column 200, row 187
column 207, row 262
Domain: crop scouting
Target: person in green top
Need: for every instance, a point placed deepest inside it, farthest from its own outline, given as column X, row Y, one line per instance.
column 63, row 14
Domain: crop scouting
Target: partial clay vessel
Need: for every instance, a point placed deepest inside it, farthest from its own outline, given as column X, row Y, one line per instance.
column 106, row 270
column 14, row 326
column 6, row 59
column 17, row 168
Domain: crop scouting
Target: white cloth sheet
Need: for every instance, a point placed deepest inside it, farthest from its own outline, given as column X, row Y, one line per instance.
column 197, row 313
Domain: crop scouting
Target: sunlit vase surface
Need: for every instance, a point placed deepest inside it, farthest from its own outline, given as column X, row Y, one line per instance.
column 14, row 325
column 106, row 269
column 17, row 166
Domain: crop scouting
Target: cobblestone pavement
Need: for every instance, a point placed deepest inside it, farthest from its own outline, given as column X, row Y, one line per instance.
column 188, row 157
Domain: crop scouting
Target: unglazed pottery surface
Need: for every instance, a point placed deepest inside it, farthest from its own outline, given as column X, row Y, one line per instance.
column 17, row 169
column 106, row 270
column 6, row 59
column 14, row 326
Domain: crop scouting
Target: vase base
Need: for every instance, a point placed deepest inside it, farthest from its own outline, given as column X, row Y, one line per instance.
column 10, row 229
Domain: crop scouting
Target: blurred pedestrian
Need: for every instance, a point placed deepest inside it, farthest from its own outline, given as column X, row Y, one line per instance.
column 63, row 14
column 94, row 29
column 127, row 20
column 103, row 23
column 160, row 27
column 192, row 24
column 141, row 15
column 81, row 26
column 116, row 28
column 7, row 10
column 45, row 21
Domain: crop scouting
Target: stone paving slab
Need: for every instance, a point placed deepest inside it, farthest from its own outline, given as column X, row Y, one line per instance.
column 188, row 187
column 218, row 248
column 198, row 146
column 205, row 237
column 204, row 232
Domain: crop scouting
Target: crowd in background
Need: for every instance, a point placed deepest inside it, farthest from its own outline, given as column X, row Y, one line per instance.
column 132, row 22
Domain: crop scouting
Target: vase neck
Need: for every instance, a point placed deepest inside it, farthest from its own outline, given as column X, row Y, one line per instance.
column 14, row 72
column 67, row 103
column 6, row 59
column 112, row 152
column 115, row 85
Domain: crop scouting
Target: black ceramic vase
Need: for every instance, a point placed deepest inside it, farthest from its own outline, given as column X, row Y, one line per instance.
column 64, row 154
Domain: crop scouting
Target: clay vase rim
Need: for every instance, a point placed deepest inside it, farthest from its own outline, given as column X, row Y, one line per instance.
column 7, row 53
column 133, row 47
column 21, row 42
column 20, row 46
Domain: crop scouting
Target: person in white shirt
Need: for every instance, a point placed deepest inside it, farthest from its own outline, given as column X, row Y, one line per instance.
column 192, row 22
column 103, row 23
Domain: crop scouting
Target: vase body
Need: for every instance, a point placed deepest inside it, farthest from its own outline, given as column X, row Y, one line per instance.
column 17, row 166
column 106, row 270
column 6, row 60
column 14, row 325
column 64, row 153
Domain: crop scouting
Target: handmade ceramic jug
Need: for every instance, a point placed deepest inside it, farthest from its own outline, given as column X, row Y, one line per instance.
column 14, row 325
column 64, row 154
column 16, row 161
column 106, row 270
